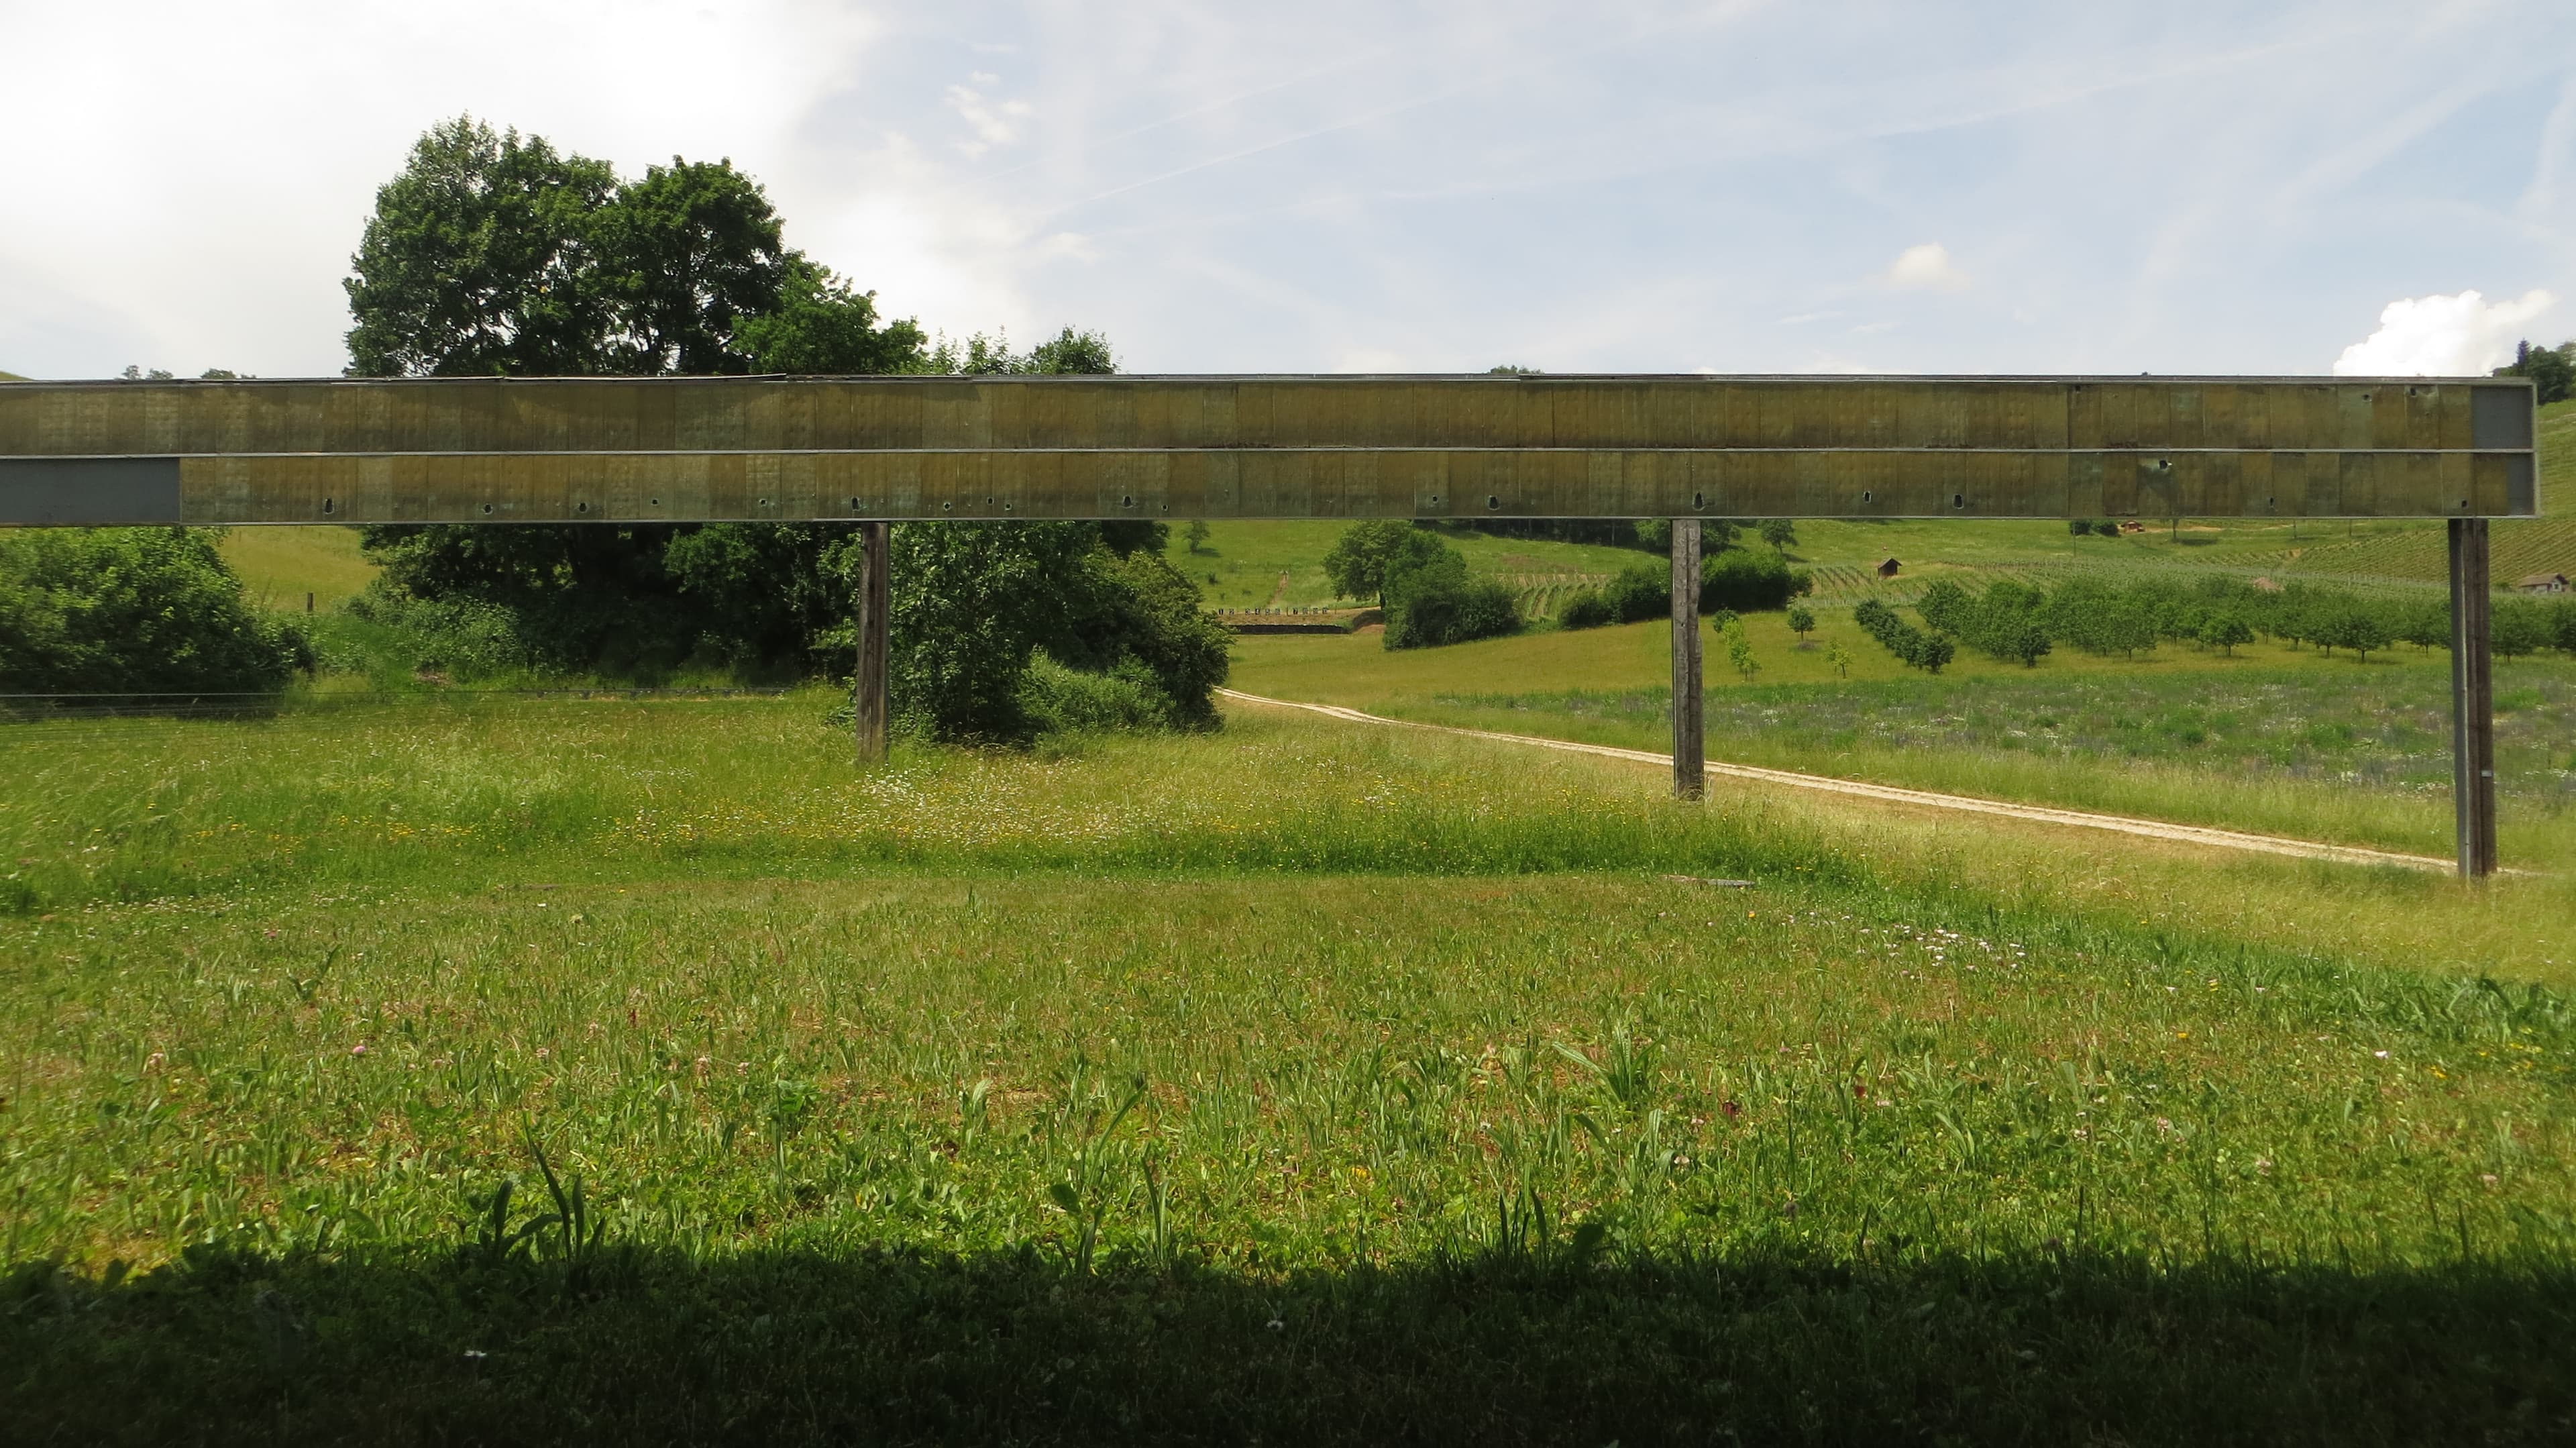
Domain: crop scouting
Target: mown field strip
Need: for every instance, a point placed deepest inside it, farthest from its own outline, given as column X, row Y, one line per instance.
column 2119, row 824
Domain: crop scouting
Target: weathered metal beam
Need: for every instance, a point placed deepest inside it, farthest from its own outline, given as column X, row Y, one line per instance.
column 2472, row 701
column 499, row 450
column 1690, row 738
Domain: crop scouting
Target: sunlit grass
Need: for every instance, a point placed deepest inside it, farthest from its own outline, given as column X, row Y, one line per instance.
column 1264, row 1017
column 2277, row 740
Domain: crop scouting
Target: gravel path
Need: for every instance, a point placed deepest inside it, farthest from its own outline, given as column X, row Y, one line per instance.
column 2119, row 824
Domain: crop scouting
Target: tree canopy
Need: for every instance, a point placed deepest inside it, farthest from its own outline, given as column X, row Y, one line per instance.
column 492, row 253
column 2552, row 370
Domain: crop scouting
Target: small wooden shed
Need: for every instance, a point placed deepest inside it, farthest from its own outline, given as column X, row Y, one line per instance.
column 1887, row 569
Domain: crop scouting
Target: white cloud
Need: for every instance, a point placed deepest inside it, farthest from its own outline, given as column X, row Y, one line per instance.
column 1927, row 267
column 2454, row 336
column 1368, row 359
column 996, row 123
column 1266, row 188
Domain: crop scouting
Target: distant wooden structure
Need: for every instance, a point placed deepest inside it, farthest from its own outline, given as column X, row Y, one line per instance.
column 1889, row 568
column 2542, row 583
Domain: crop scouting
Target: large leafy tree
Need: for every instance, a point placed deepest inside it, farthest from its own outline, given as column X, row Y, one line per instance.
column 824, row 326
column 1372, row 553
column 482, row 257
column 494, row 254
column 689, row 252
column 2552, row 370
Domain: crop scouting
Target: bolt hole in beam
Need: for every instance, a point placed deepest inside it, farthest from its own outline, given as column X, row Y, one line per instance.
column 1493, row 503
column 328, row 505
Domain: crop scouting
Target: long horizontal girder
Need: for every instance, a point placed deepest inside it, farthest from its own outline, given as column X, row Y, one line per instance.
column 570, row 450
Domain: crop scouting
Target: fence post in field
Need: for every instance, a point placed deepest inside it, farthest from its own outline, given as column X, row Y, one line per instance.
column 2472, row 700
column 868, row 684
column 1690, row 770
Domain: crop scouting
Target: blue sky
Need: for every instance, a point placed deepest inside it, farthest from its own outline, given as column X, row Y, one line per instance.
column 2168, row 187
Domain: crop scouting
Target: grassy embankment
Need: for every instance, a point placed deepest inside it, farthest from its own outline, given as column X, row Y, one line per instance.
column 1299, row 1080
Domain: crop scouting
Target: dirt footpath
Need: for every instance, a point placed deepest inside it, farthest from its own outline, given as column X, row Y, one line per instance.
column 2082, row 819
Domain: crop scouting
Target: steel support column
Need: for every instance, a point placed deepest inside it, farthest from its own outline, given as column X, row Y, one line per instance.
column 1690, row 767
column 2472, row 700
column 868, row 684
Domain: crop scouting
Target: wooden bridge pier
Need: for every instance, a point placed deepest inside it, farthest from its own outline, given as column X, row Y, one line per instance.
column 2472, row 701
column 868, row 680
column 1690, row 741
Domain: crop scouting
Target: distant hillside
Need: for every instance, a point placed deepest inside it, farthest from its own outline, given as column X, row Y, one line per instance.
column 11, row 377
column 2557, row 459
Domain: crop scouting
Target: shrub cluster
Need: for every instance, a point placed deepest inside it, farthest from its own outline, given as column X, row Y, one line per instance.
column 2002, row 623
column 2017, row 622
column 1737, row 580
column 134, row 611
column 1750, row 580
column 1587, row 608
column 1912, row 646
column 1430, row 600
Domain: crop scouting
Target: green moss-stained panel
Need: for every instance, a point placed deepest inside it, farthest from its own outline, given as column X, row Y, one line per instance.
column 584, row 449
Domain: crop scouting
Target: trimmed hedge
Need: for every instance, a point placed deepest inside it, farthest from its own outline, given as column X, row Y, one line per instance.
column 1912, row 646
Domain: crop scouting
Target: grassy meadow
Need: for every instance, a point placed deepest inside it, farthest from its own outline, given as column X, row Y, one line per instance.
column 2273, row 739
column 416, row 1064
column 511, row 1070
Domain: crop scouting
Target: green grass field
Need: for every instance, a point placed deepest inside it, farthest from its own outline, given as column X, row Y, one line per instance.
column 1297, row 1081
column 280, row 566
column 423, row 1066
column 2288, row 742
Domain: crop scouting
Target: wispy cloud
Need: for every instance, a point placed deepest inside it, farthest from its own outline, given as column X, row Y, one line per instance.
column 1926, row 268
column 995, row 123
column 2201, row 186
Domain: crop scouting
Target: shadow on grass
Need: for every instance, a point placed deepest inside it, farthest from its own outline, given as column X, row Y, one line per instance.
column 788, row 1346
